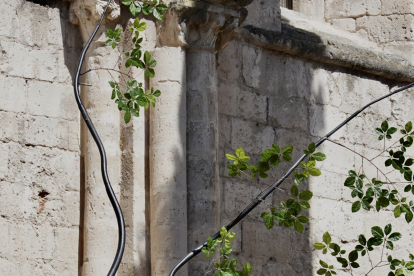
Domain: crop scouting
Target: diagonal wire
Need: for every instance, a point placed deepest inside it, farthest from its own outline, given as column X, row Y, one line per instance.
column 262, row 196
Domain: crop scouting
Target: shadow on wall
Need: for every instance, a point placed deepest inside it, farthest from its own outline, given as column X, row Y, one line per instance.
column 265, row 97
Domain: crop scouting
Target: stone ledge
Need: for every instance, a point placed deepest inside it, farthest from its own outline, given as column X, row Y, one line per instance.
column 323, row 43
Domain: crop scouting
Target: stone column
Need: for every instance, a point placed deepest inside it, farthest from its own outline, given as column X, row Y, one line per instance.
column 210, row 28
column 168, row 179
column 100, row 233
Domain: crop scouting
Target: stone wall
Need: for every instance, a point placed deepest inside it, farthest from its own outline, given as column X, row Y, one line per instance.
column 39, row 141
column 267, row 97
column 276, row 76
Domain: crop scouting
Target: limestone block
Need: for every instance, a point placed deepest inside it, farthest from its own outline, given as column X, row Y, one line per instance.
column 33, row 63
column 253, row 137
column 374, row 7
column 33, row 28
column 327, row 212
column 347, row 24
column 332, row 163
column 319, row 78
column 20, row 205
column 297, row 138
column 265, row 15
column 4, row 162
column 288, row 113
column 237, row 194
column 312, row 9
column 230, row 62
column 54, row 34
column 13, row 97
column 51, row 132
column 400, row 103
column 397, row 7
column 251, row 66
column 361, row 130
column 8, row 19
column 259, row 241
column 9, row 129
column 328, row 185
column 324, row 119
column 384, row 29
column 52, row 100
column 242, row 104
column 348, row 8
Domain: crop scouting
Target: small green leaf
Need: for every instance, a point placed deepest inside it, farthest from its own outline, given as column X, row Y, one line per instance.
column 377, row 232
column 323, row 264
column 299, row 226
column 157, row 14
column 327, row 238
column 305, row 195
column 384, row 126
column 319, row 246
column 408, row 126
column 388, row 229
column 294, row 190
column 127, row 117
column 356, row 206
column 394, row 236
column 147, row 57
column 153, row 63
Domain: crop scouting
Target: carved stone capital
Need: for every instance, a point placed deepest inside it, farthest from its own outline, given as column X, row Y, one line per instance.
column 201, row 24
column 87, row 13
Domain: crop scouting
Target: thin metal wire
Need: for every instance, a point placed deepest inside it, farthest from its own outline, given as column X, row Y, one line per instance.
column 271, row 188
column 91, row 127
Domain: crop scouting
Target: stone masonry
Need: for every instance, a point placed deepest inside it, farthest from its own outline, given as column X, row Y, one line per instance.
column 232, row 73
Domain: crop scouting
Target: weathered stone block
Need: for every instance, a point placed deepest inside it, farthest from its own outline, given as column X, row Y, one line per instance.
column 253, row 137
column 230, row 62
column 265, row 15
column 51, row 132
column 312, row 9
column 347, row 24
column 384, row 29
column 348, row 8
column 9, row 129
column 397, row 7
column 52, row 100
column 242, row 104
column 238, row 194
column 8, row 19
column 288, row 113
column 39, row 64
column 14, row 96
column 324, row 119
column 259, row 241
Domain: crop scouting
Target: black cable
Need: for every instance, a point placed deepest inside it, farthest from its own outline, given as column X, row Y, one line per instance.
column 270, row 189
column 109, row 191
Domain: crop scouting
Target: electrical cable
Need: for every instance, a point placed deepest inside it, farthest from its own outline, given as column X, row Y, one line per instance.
column 91, row 127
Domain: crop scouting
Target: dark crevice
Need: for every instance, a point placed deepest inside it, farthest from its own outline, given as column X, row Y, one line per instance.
column 43, row 194
column 47, row 3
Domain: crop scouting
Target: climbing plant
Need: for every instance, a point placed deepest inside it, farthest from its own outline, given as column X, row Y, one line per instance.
column 131, row 95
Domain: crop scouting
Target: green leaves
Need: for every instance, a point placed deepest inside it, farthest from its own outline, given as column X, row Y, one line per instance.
column 133, row 98
column 225, row 267
column 385, row 131
column 146, row 8
column 114, row 37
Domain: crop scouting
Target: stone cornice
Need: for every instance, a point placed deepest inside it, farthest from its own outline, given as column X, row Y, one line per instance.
column 345, row 50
